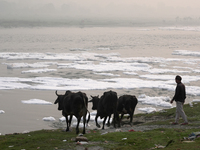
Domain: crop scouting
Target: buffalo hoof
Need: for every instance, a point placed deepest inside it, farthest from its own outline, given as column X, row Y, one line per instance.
column 77, row 132
column 67, row 130
column 98, row 125
column 108, row 124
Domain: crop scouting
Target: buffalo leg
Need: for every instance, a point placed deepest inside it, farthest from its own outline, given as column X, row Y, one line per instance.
column 97, row 122
column 70, row 120
column 78, row 121
column 131, row 116
column 122, row 115
column 67, row 122
column 104, row 122
column 116, row 119
column 84, row 122
column 108, row 124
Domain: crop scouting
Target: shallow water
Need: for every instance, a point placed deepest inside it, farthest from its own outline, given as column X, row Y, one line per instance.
column 127, row 60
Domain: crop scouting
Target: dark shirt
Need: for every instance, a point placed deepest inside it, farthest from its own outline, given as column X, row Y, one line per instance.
column 180, row 94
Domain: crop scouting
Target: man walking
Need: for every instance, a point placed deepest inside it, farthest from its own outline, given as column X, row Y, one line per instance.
column 179, row 97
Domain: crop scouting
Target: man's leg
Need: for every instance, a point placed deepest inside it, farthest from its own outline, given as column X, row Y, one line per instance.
column 177, row 113
column 179, row 108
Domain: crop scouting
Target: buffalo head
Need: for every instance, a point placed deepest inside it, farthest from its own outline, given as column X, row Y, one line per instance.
column 95, row 101
column 59, row 100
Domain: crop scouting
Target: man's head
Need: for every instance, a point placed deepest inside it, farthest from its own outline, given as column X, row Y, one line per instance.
column 178, row 79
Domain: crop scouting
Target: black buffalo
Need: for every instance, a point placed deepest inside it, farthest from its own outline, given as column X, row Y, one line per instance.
column 106, row 105
column 73, row 104
column 126, row 105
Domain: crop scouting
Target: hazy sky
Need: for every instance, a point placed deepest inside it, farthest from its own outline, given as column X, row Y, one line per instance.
column 174, row 3
column 99, row 8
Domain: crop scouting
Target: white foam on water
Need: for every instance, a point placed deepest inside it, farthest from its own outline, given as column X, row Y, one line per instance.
column 79, row 49
column 102, row 67
column 186, row 53
column 49, row 119
column 56, row 56
column 92, row 118
column 186, row 78
column 93, row 113
column 36, row 101
column 140, row 71
column 196, row 70
column 184, row 28
column 54, row 83
column 103, row 48
column 107, row 74
column 159, row 71
column 39, row 70
column 2, row 111
column 196, row 100
column 180, row 67
column 147, row 109
column 29, row 65
column 130, row 73
column 155, row 101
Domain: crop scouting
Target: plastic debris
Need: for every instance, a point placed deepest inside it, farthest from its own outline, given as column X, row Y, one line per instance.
column 104, row 133
column 81, row 143
column 191, row 105
column 11, row 146
column 192, row 136
column 131, row 130
column 26, row 131
column 159, row 146
column 81, row 138
column 118, row 130
column 124, row 139
column 188, row 141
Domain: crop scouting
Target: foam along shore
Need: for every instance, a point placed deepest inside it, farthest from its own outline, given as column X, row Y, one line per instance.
column 2, row 111
column 85, row 56
column 92, row 119
column 56, row 83
column 144, row 99
column 142, row 70
column 36, row 101
column 147, row 109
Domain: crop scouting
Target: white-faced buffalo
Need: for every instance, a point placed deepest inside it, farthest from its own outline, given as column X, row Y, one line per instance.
column 73, row 104
column 106, row 106
column 126, row 105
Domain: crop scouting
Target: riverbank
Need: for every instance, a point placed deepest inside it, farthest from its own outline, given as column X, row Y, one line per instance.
column 150, row 131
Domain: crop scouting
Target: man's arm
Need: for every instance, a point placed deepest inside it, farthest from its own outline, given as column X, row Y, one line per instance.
column 177, row 91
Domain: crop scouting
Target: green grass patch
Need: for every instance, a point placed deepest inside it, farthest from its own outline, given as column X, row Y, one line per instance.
column 53, row 139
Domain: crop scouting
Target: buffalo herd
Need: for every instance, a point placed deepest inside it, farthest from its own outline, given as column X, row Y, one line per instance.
column 76, row 103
